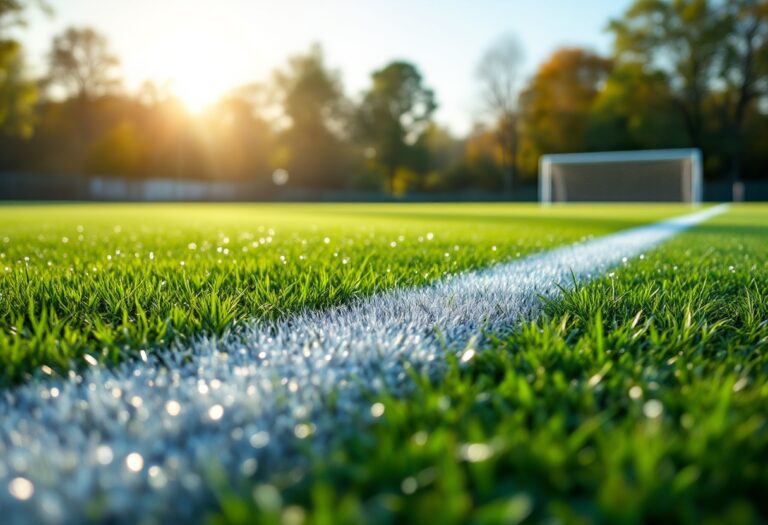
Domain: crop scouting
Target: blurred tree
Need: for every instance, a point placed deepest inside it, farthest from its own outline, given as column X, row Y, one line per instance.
column 499, row 76
column 632, row 111
column 82, row 68
column 237, row 140
column 745, row 69
column 392, row 117
column 12, row 12
column 82, row 65
column 120, row 150
column 556, row 104
column 18, row 94
column 704, row 48
column 313, row 105
column 476, row 165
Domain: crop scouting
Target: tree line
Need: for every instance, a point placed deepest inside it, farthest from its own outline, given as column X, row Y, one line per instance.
column 682, row 73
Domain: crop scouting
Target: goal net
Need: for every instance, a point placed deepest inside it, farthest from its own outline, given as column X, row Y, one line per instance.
column 643, row 176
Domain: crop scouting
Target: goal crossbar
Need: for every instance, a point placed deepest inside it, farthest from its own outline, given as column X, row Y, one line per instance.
column 692, row 192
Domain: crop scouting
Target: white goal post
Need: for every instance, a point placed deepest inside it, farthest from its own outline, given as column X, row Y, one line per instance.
column 670, row 175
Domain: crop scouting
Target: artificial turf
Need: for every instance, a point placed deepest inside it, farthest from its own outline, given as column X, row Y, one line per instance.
column 104, row 282
column 638, row 398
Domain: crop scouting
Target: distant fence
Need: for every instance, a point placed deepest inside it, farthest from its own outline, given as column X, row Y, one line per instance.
column 39, row 187
column 32, row 186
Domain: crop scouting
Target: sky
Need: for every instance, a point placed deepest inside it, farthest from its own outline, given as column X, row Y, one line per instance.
column 205, row 47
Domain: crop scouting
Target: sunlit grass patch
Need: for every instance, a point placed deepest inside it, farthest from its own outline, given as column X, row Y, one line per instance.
column 641, row 397
column 109, row 281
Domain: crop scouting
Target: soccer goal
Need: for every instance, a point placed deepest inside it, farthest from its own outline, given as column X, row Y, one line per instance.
column 672, row 175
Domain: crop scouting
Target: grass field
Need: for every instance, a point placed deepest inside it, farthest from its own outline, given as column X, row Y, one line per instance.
column 110, row 281
column 638, row 397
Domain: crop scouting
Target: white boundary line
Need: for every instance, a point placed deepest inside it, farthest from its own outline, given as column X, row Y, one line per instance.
column 136, row 440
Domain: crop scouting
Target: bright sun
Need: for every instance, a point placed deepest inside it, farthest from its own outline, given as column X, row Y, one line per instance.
column 197, row 69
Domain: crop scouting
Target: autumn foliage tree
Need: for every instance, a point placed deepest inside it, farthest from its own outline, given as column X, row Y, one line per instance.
column 633, row 111
column 713, row 56
column 556, row 103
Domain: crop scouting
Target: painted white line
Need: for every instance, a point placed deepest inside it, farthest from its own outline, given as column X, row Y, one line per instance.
column 137, row 441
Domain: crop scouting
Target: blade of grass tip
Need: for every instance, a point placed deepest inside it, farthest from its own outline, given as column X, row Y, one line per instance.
column 599, row 335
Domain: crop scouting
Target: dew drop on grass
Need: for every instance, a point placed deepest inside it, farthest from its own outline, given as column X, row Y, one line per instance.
column 173, row 408
column 377, row 409
column 21, row 488
column 409, row 485
column 157, row 477
column 216, row 412
column 653, row 408
column 104, row 454
column 134, row 462
column 302, row 430
column 595, row 380
column 259, row 439
column 476, row 452
column 248, row 467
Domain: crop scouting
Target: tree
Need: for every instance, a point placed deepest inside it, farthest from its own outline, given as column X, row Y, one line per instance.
column 12, row 12
column 312, row 102
column 745, row 69
column 395, row 112
column 82, row 65
column 556, row 103
column 499, row 76
column 632, row 112
column 713, row 54
column 17, row 94
column 236, row 137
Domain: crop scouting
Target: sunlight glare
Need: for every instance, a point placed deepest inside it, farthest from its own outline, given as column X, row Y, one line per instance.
column 197, row 68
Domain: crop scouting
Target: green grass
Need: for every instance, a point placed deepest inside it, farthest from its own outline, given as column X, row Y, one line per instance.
column 639, row 398
column 111, row 280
